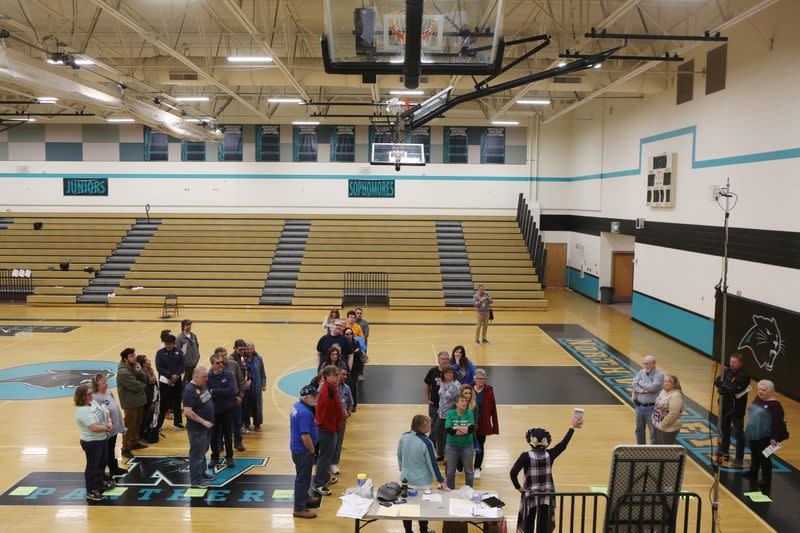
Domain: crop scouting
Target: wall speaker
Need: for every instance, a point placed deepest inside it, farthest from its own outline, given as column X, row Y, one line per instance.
column 64, row 265
column 38, row 225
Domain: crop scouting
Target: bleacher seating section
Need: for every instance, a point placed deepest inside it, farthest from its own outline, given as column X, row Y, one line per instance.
column 224, row 260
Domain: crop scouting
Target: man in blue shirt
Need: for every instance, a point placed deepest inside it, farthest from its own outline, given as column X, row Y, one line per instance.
column 647, row 383
column 222, row 385
column 199, row 411
column 303, row 435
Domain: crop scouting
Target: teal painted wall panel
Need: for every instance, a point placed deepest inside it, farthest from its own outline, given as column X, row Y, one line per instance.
column 26, row 133
column 587, row 285
column 131, row 151
column 100, row 133
column 695, row 330
column 63, row 151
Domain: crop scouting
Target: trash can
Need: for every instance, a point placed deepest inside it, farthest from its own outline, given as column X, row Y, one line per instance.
column 606, row 295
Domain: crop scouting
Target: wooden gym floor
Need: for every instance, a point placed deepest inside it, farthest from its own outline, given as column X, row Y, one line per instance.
column 286, row 339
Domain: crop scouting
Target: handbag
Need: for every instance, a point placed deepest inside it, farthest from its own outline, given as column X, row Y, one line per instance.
column 783, row 432
column 491, row 314
column 151, row 435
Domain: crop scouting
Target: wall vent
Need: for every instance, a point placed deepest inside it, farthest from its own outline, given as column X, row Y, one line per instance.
column 685, row 85
column 183, row 76
column 716, row 67
column 567, row 79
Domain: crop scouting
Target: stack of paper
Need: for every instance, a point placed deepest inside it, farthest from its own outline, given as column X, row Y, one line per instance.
column 354, row 506
column 459, row 507
column 431, row 497
column 485, row 511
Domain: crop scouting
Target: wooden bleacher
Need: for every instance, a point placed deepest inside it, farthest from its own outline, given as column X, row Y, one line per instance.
column 82, row 240
column 224, row 260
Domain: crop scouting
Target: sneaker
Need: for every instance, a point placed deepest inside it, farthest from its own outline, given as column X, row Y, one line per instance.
column 737, row 463
column 204, row 484
column 143, row 442
column 138, row 446
column 477, row 474
column 335, row 470
column 313, row 501
column 239, row 447
column 332, row 481
column 304, row 514
column 477, row 341
column 209, row 477
column 214, row 460
column 127, row 454
column 229, row 462
column 486, row 341
column 245, row 431
column 323, row 491
column 94, row 496
column 178, row 426
column 258, row 429
column 353, row 410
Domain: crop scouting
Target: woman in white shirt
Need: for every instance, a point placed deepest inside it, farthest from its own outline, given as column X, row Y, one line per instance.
column 94, row 423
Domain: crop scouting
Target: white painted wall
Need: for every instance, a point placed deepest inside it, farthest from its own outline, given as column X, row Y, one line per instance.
column 756, row 112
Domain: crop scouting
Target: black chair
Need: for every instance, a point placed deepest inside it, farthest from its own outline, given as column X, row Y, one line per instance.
column 170, row 306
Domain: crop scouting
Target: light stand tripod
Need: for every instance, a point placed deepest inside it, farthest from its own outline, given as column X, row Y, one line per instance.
column 724, row 192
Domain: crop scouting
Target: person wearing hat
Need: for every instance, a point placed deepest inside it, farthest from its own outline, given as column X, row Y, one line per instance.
column 170, row 366
column 187, row 342
column 303, row 436
column 537, row 465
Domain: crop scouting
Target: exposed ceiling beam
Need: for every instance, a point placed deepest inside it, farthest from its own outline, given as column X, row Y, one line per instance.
column 608, row 21
column 248, row 24
column 650, row 64
column 166, row 48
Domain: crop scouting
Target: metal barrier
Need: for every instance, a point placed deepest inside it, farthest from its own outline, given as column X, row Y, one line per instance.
column 634, row 513
column 643, row 512
column 366, row 288
column 13, row 286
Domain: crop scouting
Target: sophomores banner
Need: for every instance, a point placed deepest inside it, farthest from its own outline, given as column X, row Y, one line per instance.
column 768, row 337
column 370, row 188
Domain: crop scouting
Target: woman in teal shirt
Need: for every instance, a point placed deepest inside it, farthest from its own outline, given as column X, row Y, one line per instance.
column 460, row 428
column 95, row 424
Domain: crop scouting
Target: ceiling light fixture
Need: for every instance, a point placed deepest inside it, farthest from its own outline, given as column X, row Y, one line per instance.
column 398, row 92
column 82, row 61
column 46, row 100
column 191, row 98
column 120, row 119
column 562, row 64
column 598, row 65
column 535, row 101
column 505, row 123
column 250, row 59
column 285, row 100
column 305, row 123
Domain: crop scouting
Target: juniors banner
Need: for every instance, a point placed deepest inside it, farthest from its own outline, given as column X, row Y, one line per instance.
column 768, row 337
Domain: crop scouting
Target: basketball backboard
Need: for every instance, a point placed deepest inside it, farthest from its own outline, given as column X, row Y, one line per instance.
column 397, row 154
column 457, row 37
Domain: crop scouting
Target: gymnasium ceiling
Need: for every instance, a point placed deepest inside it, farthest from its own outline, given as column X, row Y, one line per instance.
column 163, row 48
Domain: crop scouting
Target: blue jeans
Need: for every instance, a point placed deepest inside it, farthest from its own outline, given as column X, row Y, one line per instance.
column 644, row 417
column 198, row 446
column 303, row 465
column 337, row 455
column 253, row 408
column 454, row 455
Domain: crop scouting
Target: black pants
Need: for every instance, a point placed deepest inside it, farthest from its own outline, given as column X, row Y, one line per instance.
column 223, row 431
column 423, row 526
column 112, row 457
column 96, row 461
column 147, row 418
column 352, row 381
column 543, row 516
column 759, row 462
column 479, row 451
column 170, row 399
column 732, row 417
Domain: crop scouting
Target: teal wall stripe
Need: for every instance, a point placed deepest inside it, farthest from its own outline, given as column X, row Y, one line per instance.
column 695, row 330
column 588, row 285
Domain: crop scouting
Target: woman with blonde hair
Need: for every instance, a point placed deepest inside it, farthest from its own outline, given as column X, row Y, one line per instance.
column 668, row 410
column 330, row 319
column 102, row 395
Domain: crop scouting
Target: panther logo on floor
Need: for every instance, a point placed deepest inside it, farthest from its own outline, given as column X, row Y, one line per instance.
column 764, row 341
column 52, row 380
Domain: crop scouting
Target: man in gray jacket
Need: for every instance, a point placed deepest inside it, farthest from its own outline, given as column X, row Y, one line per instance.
column 131, row 387
column 187, row 342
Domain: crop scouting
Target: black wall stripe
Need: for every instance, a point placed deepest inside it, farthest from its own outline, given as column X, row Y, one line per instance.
column 770, row 247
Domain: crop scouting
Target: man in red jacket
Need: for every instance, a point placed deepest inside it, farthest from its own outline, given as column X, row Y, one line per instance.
column 329, row 417
column 487, row 417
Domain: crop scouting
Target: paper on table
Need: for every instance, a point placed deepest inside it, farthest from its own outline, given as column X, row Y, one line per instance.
column 353, row 506
column 459, row 507
column 745, row 391
column 431, row 497
column 769, row 450
column 164, row 379
column 758, row 496
column 410, row 510
column 486, row 511
column 392, row 511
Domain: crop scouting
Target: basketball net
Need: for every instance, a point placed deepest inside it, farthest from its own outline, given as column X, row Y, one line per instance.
column 397, row 27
